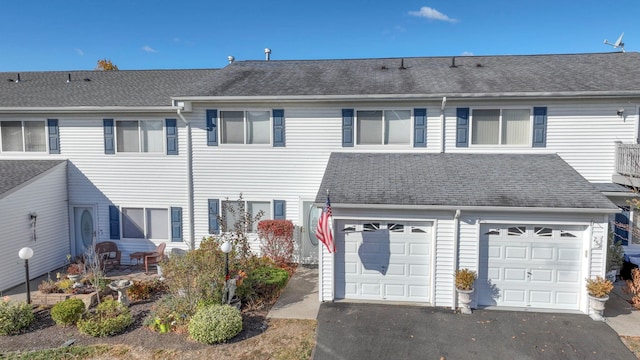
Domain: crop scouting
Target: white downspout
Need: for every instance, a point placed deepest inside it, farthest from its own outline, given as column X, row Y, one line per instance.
column 192, row 232
column 456, row 241
column 442, row 124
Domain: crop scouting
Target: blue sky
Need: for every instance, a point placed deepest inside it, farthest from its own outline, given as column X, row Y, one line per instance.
column 142, row 34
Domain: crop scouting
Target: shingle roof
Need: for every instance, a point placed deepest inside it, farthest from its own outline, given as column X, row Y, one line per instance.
column 105, row 88
column 540, row 74
column 496, row 180
column 14, row 173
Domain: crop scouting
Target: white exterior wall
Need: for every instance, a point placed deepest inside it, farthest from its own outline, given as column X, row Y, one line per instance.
column 46, row 195
column 583, row 133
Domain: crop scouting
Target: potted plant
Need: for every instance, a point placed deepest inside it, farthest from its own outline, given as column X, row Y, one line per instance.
column 464, row 286
column 598, row 289
column 73, row 273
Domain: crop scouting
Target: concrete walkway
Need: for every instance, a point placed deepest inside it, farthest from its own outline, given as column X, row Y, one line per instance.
column 299, row 299
column 619, row 314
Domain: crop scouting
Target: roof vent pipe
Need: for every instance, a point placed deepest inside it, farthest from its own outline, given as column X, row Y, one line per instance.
column 267, row 53
column 18, row 79
column 68, row 78
column 453, row 62
column 231, row 59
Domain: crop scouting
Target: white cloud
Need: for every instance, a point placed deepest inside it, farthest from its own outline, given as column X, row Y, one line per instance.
column 432, row 14
column 467, row 53
column 148, row 48
column 80, row 52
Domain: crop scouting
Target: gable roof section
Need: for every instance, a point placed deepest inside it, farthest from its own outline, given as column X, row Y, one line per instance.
column 458, row 180
column 524, row 75
column 14, row 173
column 104, row 88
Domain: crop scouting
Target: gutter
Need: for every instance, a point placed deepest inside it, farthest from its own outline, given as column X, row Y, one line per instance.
column 433, row 97
column 87, row 109
column 478, row 208
column 456, row 242
column 192, row 232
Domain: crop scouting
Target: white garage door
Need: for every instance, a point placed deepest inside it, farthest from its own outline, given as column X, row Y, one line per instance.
column 530, row 266
column 383, row 260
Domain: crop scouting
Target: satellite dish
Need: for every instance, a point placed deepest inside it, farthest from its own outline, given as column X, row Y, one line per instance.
column 618, row 44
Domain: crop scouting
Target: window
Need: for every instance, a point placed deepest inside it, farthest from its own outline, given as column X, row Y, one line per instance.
column 543, row 231
column 232, row 210
column 399, row 228
column 501, row 127
column 245, row 127
column 23, row 136
column 139, row 136
column 516, row 231
column 370, row 227
column 140, row 223
column 375, row 127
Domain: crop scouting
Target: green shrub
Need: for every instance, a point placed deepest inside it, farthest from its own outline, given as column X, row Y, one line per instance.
column 262, row 285
column 110, row 318
column 173, row 310
column 67, row 312
column 14, row 316
column 214, row 324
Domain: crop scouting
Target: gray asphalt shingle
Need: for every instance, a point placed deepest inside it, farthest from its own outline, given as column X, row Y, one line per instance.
column 14, row 173
column 498, row 180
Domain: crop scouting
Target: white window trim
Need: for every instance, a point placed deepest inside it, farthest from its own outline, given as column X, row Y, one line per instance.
column 412, row 122
column 140, row 152
column 146, row 230
column 514, row 146
column 22, row 121
column 244, row 129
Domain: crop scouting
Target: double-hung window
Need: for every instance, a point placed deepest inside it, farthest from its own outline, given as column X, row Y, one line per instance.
column 383, row 127
column 23, row 136
column 145, row 223
column 232, row 210
column 501, row 127
column 140, row 136
column 245, row 127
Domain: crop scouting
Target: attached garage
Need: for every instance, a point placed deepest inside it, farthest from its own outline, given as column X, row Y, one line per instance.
column 530, row 225
column 383, row 260
column 533, row 266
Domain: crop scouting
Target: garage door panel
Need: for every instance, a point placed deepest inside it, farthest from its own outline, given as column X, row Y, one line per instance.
column 530, row 270
column 384, row 264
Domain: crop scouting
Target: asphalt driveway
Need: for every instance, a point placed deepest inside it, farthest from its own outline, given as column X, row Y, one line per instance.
column 373, row 331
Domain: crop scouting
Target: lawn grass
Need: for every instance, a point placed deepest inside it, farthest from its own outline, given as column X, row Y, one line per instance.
column 633, row 343
column 71, row 352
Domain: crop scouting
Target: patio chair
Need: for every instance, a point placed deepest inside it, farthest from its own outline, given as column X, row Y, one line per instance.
column 154, row 257
column 108, row 253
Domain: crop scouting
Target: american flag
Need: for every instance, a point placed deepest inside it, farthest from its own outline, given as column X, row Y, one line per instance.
column 323, row 231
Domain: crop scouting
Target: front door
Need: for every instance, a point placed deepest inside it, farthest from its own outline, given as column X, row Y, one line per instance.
column 84, row 227
column 308, row 240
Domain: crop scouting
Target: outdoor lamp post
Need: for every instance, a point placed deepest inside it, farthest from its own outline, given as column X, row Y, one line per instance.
column 25, row 254
column 226, row 249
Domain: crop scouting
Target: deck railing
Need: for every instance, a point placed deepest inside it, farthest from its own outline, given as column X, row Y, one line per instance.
column 628, row 159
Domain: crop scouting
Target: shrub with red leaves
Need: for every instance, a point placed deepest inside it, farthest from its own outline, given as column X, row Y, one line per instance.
column 277, row 240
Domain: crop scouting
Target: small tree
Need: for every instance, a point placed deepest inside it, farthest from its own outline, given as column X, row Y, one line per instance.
column 276, row 237
column 236, row 232
column 94, row 269
column 106, row 65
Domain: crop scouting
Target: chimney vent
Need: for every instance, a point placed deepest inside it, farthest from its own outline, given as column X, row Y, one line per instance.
column 69, row 78
column 453, row 62
column 267, row 53
column 231, row 59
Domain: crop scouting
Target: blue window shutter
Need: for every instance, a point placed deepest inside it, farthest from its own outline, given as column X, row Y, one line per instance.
column 54, row 136
column 172, row 136
column 539, row 127
column 419, row 127
column 212, row 127
column 278, row 128
column 347, row 127
column 109, row 145
column 176, row 224
column 462, row 127
column 279, row 209
column 114, row 222
column 621, row 231
column 214, row 211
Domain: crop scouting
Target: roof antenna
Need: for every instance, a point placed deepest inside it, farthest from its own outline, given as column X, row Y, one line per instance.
column 68, row 78
column 453, row 62
column 617, row 44
column 267, row 53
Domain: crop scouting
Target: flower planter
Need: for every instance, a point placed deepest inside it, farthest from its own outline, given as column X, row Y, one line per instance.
column 596, row 304
column 465, row 297
column 38, row 298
